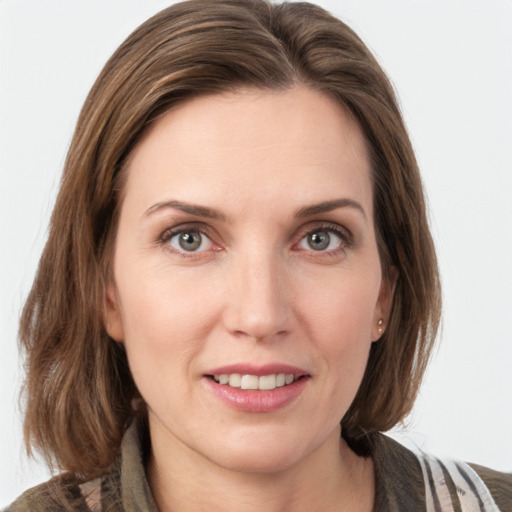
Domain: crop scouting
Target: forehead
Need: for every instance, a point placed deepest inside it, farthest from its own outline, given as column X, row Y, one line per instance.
column 252, row 142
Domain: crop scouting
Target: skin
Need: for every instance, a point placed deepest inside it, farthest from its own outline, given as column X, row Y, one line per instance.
column 254, row 292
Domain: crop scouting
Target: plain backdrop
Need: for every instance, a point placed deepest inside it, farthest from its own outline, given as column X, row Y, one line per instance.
column 451, row 64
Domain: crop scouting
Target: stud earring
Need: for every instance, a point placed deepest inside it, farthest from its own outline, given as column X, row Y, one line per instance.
column 380, row 323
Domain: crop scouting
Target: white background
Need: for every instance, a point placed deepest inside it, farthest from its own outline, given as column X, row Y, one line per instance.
column 451, row 63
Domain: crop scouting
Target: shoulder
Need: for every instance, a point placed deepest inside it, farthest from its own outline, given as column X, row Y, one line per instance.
column 399, row 484
column 68, row 492
column 499, row 485
column 58, row 494
column 421, row 480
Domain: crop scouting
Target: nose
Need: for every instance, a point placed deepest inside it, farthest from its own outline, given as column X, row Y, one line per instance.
column 257, row 307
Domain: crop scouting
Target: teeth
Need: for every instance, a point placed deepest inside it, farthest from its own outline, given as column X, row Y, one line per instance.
column 267, row 382
column 263, row 383
column 250, row 382
column 235, row 380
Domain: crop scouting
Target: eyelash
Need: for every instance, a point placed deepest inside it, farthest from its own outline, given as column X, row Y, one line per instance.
column 346, row 237
column 170, row 233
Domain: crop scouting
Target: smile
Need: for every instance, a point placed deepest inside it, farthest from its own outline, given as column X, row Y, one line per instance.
column 255, row 382
column 257, row 390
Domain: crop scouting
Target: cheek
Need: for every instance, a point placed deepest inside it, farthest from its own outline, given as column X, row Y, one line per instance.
column 163, row 330
column 339, row 316
column 159, row 302
column 343, row 305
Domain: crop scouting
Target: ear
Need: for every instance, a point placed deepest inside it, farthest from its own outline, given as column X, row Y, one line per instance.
column 384, row 303
column 112, row 316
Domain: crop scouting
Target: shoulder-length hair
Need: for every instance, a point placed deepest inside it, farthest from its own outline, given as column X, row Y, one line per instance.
column 79, row 389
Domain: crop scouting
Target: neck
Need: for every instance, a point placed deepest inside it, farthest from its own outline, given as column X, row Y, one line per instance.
column 332, row 478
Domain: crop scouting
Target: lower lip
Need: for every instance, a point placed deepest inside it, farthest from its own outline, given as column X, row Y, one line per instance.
column 249, row 400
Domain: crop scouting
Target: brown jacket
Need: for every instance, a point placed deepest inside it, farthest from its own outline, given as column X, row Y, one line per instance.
column 399, row 484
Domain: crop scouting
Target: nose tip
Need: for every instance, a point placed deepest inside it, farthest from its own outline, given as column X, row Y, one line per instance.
column 261, row 328
column 257, row 308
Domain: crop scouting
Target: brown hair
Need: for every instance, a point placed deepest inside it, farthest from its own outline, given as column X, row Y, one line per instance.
column 79, row 388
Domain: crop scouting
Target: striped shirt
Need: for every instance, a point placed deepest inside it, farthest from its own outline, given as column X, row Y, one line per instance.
column 405, row 482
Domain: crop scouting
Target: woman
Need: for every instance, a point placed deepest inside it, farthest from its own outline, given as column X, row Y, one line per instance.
column 239, row 269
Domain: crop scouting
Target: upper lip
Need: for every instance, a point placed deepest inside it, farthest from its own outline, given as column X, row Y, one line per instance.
column 258, row 370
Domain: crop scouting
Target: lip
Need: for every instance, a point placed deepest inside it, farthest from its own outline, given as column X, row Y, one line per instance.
column 258, row 370
column 256, row 401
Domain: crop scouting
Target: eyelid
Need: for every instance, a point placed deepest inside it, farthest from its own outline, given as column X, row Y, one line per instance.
column 205, row 230
column 331, row 227
column 339, row 230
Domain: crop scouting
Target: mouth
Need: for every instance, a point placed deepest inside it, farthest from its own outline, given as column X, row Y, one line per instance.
column 257, row 388
column 256, row 382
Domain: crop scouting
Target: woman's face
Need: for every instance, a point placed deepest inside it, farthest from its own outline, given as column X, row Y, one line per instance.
column 246, row 258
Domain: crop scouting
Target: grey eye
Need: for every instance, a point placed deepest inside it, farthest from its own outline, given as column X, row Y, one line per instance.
column 322, row 240
column 190, row 241
column 319, row 240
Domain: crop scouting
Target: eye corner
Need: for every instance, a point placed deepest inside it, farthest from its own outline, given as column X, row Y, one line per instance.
column 201, row 241
column 333, row 239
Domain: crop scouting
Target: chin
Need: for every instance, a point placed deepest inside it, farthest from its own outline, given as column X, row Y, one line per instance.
column 260, row 452
column 256, row 460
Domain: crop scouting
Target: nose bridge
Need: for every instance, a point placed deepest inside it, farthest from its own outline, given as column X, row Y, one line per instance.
column 257, row 307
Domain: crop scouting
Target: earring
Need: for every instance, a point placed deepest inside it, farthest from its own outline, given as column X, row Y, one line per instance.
column 380, row 323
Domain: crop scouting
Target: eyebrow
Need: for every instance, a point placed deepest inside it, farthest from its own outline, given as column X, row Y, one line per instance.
column 192, row 209
column 328, row 206
column 212, row 213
